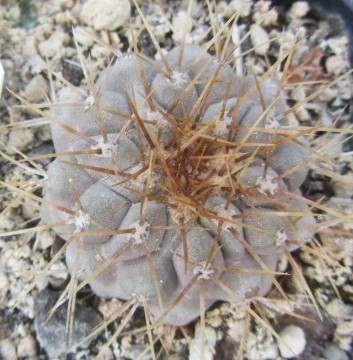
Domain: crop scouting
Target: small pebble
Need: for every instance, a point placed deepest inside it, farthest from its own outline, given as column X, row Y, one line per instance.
column 259, row 39
column 7, row 350
column 26, row 348
column 299, row 93
column 106, row 14
column 66, row 4
column 333, row 352
column 264, row 14
column 36, row 89
column 299, row 9
column 35, row 65
column 4, row 282
column 2, row 73
column 343, row 335
column 293, row 341
column 339, row 310
column 29, row 49
column 52, row 335
column 21, row 138
column 335, row 65
column 243, row 7
column 83, row 37
column 182, row 24
column 49, row 48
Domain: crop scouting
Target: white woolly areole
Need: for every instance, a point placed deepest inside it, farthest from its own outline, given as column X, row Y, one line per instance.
column 159, row 120
column 178, row 79
column 281, row 237
column 225, row 213
column 89, row 101
column 222, row 125
column 141, row 234
column 272, row 121
column 81, row 220
column 140, row 181
column 203, row 269
column 266, row 185
column 107, row 148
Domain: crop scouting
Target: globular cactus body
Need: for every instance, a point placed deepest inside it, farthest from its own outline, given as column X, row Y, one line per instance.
column 174, row 177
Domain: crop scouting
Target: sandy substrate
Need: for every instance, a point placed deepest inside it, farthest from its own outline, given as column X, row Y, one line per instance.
column 35, row 36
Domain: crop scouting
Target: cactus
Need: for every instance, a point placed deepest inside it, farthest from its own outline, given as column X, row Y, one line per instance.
column 177, row 173
column 177, row 182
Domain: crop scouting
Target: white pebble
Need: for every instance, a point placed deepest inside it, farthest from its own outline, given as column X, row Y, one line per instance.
column 2, row 74
column 66, row 4
column 21, row 138
column 264, row 14
column 49, row 48
column 84, row 35
column 4, row 283
column 298, row 93
column 242, row 7
column 106, row 14
column 35, row 65
column 208, row 347
column 29, row 48
column 299, row 9
column 26, row 348
column 7, row 350
column 339, row 310
column 259, row 39
column 44, row 241
column 36, row 89
column 335, row 65
column 292, row 342
column 182, row 24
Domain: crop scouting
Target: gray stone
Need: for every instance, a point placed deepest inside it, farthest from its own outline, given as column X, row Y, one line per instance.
column 333, row 352
column 52, row 334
